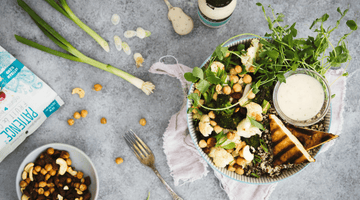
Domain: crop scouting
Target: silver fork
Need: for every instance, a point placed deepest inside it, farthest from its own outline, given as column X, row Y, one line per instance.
column 146, row 157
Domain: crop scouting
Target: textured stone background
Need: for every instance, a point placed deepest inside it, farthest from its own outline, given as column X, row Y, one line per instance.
column 333, row 176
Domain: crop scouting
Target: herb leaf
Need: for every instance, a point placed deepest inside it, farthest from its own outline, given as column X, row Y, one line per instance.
column 190, row 77
column 231, row 145
column 203, row 85
column 255, row 123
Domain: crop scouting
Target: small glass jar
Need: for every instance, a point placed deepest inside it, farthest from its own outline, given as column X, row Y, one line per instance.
column 215, row 13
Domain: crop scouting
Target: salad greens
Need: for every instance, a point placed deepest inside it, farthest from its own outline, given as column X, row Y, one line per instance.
column 74, row 54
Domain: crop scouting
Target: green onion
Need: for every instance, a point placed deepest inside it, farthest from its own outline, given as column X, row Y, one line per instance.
column 255, row 175
column 265, row 106
column 76, row 55
column 64, row 9
column 148, row 196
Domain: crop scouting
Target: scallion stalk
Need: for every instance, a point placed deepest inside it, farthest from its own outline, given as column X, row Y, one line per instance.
column 64, row 9
column 76, row 55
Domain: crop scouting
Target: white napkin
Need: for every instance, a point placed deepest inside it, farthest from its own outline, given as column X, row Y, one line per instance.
column 187, row 165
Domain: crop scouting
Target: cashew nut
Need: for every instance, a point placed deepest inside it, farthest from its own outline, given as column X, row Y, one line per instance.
column 63, row 165
column 24, row 197
column 22, row 190
column 28, row 166
column 31, row 174
column 24, row 175
column 78, row 91
column 71, row 171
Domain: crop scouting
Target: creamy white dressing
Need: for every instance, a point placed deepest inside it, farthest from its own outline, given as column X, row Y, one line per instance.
column 216, row 13
column 301, row 97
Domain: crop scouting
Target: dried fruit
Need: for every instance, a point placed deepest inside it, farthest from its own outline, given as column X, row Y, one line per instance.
column 115, row 19
column 138, row 59
column 118, row 42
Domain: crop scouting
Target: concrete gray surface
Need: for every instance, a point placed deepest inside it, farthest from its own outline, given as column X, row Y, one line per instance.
column 333, row 176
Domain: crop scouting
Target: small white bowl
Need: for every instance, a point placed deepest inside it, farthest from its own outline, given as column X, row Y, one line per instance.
column 79, row 159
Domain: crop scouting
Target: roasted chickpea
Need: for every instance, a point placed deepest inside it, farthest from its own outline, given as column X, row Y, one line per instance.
column 230, row 135
column 142, row 122
column 213, row 123
column 232, row 71
column 119, row 160
column 50, row 151
column 227, row 90
column 77, row 115
column 84, row 113
column 103, row 120
column 97, row 87
column 37, row 168
column 231, row 168
column 47, row 193
column 240, row 161
column 41, row 191
column 238, row 69
column 247, row 79
column 218, row 129
column 79, row 175
column 239, row 171
column 197, row 92
column 234, row 78
column 48, row 167
column 237, row 87
column 70, row 122
column 251, row 95
column 211, row 142
column 227, row 54
column 202, row 144
column 211, row 115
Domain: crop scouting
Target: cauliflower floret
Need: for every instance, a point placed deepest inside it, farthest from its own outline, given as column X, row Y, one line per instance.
column 251, row 55
column 246, row 129
column 244, row 98
column 215, row 66
column 254, row 110
column 220, row 156
column 235, row 140
column 204, row 125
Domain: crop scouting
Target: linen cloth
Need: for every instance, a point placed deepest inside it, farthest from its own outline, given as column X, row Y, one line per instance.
column 187, row 165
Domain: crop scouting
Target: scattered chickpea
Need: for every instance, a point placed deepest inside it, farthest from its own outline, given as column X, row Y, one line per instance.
column 47, row 193
column 41, row 191
column 234, row 78
column 247, row 79
column 202, row 144
column 240, row 161
column 231, row 168
column 230, row 135
column 142, row 122
column 52, row 172
column 215, row 96
column 213, row 123
column 103, row 120
column 252, row 69
column 227, row 90
column 251, row 95
column 218, row 88
column 119, row 160
column 211, row 142
column 218, row 129
column 227, row 54
column 83, row 187
column 197, row 92
column 79, row 175
column 38, row 168
column 97, row 87
column 239, row 171
column 77, row 115
column 50, row 151
column 232, row 71
column 237, row 87
column 48, row 167
column 211, row 115
column 68, row 161
column 84, row 113
column 71, row 122
column 238, row 69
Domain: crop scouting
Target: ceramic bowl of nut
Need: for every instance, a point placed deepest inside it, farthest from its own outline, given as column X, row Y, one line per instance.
column 197, row 137
column 82, row 178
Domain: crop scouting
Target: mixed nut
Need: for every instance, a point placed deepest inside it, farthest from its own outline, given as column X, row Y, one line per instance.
column 52, row 177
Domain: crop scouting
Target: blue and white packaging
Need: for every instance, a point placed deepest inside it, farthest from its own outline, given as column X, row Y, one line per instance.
column 28, row 102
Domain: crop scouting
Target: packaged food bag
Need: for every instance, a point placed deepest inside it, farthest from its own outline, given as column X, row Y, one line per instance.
column 25, row 103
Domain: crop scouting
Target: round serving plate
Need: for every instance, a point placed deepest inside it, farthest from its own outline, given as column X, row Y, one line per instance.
column 286, row 173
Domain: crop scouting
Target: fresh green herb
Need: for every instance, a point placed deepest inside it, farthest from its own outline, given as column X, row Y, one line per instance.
column 265, row 106
column 231, row 145
column 76, row 55
column 333, row 96
column 64, row 9
column 220, row 52
column 255, row 175
column 255, row 123
column 263, row 145
column 219, row 136
column 257, row 159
